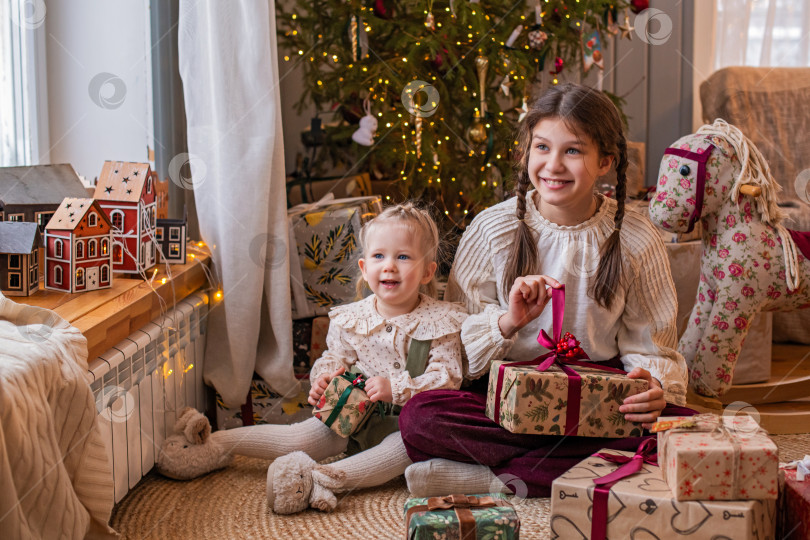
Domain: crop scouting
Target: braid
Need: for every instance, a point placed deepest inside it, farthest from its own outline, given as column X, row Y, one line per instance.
column 524, row 249
column 609, row 273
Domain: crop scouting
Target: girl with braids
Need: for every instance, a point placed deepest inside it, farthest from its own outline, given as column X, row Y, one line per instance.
column 620, row 303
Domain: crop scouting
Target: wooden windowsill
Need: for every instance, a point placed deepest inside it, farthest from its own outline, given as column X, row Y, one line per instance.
column 106, row 316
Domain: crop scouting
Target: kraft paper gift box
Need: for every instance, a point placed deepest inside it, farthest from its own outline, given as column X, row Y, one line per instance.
column 461, row 517
column 556, row 394
column 324, row 235
column 344, row 406
column 710, row 457
column 794, row 503
column 641, row 506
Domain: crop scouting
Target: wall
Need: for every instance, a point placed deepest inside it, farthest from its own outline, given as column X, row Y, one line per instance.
column 99, row 82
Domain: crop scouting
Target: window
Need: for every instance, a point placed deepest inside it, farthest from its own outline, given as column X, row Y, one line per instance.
column 92, row 219
column 149, row 185
column 118, row 253
column 80, row 249
column 159, row 234
column 153, row 213
column 42, row 219
column 2, row 216
column 174, row 233
column 32, row 278
column 105, row 247
column 13, row 262
column 57, row 275
column 117, row 218
column 14, row 281
column 80, row 277
column 91, row 248
column 16, row 217
column 57, row 248
column 105, row 273
column 174, row 250
column 35, row 254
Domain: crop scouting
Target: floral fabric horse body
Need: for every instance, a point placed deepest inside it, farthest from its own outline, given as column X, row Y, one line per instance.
column 750, row 262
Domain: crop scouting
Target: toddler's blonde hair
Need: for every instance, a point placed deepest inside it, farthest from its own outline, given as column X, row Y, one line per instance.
column 421, row 222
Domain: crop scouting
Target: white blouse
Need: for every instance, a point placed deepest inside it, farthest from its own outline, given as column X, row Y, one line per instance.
column 359, row 336
column 640, row 325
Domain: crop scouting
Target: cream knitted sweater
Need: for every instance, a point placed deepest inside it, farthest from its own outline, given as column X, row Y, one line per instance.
column 640, row 325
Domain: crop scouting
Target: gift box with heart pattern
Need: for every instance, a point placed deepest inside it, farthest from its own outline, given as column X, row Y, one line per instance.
column 642, row 506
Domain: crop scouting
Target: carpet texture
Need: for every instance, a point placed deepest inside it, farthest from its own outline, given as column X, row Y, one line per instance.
column 231, row 504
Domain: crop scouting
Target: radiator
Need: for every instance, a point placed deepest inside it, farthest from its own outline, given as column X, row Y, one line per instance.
column 142, row 383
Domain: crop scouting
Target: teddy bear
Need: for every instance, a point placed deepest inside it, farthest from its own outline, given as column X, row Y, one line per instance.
column 294, row 481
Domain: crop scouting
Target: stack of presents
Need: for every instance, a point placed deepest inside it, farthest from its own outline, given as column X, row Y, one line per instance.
column 323, row 275
column 84, row 236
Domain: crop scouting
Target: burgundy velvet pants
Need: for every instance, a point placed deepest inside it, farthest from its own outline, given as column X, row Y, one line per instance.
column 451, row 424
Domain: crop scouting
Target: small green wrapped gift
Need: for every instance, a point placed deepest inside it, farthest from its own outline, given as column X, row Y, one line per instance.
column 344, row 406
column 462, row 517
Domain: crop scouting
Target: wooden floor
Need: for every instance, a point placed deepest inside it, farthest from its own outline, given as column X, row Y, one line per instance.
column 782, row 403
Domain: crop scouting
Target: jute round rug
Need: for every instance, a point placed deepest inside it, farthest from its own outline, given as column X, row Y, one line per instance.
column 231, row 504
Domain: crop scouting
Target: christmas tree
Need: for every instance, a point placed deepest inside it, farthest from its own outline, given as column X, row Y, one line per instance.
column 446, row 82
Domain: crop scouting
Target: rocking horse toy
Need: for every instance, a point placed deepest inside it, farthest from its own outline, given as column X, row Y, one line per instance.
column 750, row 262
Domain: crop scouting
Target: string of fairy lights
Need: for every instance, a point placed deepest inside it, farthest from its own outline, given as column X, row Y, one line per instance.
column 359, row 52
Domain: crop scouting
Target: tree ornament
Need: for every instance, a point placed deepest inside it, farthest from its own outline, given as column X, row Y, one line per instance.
column 626, row 29
column 559, row 63
column 383, row 10
column 611, row 25
column 637, row 6
column 537, row 38
column 524, row 109
column 430, row 21
column 418, row 141
column 368, row 125
column 358, row 38
column 477, row 132
column 591, row 51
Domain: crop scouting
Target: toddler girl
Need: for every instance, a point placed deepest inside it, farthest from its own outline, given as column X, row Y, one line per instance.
column 620, row 303
column 402, row 340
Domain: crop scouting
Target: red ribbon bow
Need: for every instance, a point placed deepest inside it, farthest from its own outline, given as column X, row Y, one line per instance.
column 565, row 351
column 630, row 465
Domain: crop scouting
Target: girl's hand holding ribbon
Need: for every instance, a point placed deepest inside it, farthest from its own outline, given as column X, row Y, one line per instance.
column 645, row 407
column 527, row 300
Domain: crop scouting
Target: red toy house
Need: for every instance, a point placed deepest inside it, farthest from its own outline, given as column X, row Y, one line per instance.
column 78, row 247
column 126, row 193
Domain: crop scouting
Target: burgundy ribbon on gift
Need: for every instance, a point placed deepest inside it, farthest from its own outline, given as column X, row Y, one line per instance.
column 630, row 465
column 560, row 359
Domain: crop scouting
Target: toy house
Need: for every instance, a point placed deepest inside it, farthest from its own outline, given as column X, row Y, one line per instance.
column 78, row 247
column 127, row 194
column 34, row 193
column 171, row 238
column 19, row 258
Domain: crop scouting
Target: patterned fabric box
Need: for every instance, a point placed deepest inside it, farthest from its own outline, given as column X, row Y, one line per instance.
column 461, row 517
column 641, row 506
column 325, row 238
column 720, row 458
column 794, row 515
column 536, row 402
column 265, row 407
column 344, row 406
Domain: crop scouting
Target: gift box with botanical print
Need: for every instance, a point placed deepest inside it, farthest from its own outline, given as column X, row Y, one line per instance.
column 557, row 394
column 344, row 406
column 324, row 236
column 613, row 495
column 461, row 517
column 710, row 457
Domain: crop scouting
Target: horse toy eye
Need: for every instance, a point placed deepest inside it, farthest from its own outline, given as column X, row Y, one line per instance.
column 685, row 170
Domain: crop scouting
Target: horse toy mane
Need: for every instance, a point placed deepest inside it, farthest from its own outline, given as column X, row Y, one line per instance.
column 754, row 170
column 749, row 263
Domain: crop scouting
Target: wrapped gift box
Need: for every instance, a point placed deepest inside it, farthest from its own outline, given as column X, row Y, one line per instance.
column 265, row 407
column 344, row 405
column 325, row 236
column 488, row 516
column 320, row 327
column 705, row 462
column 302, row 345
column 794, row 515
column 641, row 506
column 536, row 402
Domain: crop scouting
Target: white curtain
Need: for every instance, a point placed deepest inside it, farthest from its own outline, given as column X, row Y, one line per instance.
column 228, row 63
column 762, row 33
